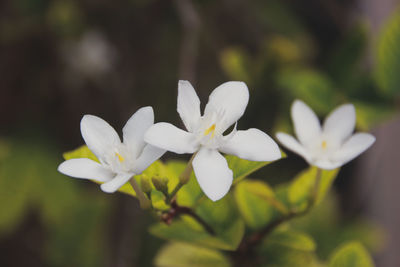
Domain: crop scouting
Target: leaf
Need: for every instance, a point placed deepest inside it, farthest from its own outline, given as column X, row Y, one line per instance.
column 242, row 168
column 190, row 193
column 311, row 86
column 351, row 254
column 184, row 231
column 80, row 152
column 30, row 179
column 293, row 239
column 301, row 188
column 288, row 248
column 184, row 255
column 388, row 57
column 220, row 215
column 256, row 201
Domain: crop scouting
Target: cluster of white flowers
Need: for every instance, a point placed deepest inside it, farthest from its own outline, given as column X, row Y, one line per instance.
column 144, row 142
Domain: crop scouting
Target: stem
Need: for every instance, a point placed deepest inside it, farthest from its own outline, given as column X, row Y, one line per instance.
column 185, row 175
column 145, row 203
column 183, row 179
column 314, row 193
column 257, row 237
column 191, row 213
column 177, row 210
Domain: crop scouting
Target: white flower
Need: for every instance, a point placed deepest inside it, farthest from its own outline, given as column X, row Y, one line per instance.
column 330, row 146
column 119, row 161
column 204, row 135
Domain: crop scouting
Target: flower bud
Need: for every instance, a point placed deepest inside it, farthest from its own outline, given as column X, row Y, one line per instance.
column 145, row 184
column 161, row 184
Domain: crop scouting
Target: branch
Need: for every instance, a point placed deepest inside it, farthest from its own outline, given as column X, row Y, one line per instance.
column 177, row 210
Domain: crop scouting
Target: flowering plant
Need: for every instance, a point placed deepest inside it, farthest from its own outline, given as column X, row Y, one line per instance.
column 215, row 208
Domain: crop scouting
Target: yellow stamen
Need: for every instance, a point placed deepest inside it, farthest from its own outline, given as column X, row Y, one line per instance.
column 210, row 130
column 120, row 158
column 324, row 144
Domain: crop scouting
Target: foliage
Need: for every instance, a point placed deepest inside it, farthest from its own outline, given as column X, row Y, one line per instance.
column 37, row 186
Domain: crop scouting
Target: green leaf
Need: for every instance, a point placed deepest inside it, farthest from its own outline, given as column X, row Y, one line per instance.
column 220, row 215
column 190, row 232
column 190, row 193
column 184, row 255
column 311, row 86
column 80, row 152
column 388, row 57
column 292, row 239
column 56, row 199
column 352, row 254
column 242, row 168
column 256, row 202
column 301, row 188
column 288, row 248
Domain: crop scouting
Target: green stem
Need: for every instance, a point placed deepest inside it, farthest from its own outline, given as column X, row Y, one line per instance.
column 183, row 179
column 314, row 193
column 145, row 203
column 257, row 237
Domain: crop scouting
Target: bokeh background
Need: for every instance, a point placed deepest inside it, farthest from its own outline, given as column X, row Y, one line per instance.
column 62, row 59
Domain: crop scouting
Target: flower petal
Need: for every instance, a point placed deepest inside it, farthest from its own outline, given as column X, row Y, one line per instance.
column 188, row 105
column 212, row 173
column 136, row 127
column 116, row 183
column 99, row 136
column 292, row 144
column 326, row 164
column 149, row 155
column 340, row 123
column 228, row 100
column 252, row 144
column 306, row 123
column 353, row 147
column 85, row 169
column 167, row 136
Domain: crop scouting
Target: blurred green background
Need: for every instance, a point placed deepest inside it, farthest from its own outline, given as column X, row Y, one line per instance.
column 62, row 59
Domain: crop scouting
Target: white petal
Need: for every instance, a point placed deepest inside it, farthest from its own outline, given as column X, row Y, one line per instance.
column 252, row 144
column 306, row 123
column 188, row 105
column 168, row 137
column 230, row 100
column 149, row 155
column 116, row 183
column 99, row 136
column 353, row 147
column 340, row 123
column 326, row 164
column 292, row 144
column 212, row 173
column 136, row 127
column 85, row 169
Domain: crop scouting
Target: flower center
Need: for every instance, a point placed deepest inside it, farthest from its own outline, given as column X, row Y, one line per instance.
column 120, row 158
column 210, row 130
column 324, row 144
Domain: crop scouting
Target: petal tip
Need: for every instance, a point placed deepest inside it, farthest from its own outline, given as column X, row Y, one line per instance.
column 107, row 189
